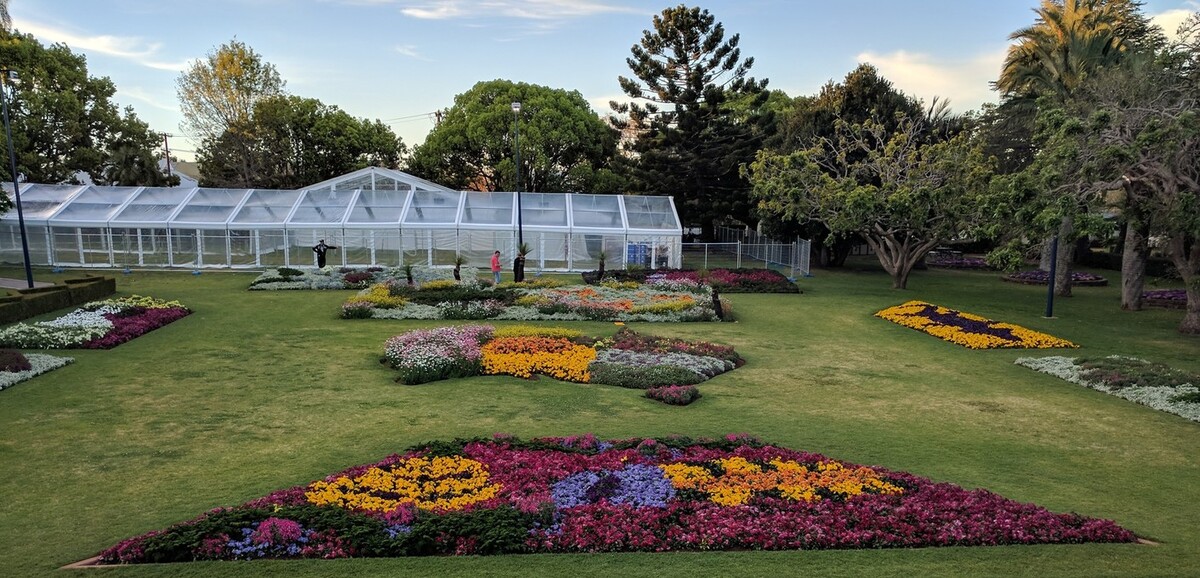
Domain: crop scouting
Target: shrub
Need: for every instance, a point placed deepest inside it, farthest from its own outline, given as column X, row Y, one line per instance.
column 674, row 394
column 357, row 279
column 289, row 272
column 13, row 361
column 641, row 377
column 537, row 331
column 357, row 310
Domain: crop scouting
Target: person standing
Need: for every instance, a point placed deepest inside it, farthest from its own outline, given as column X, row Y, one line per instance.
column 320, row 250
column 496, row 267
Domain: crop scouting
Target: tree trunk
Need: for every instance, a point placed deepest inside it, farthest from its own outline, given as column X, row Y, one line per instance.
column 1133, row 266
column 1066, row 250
column 1191, row 319
column 1185, row 253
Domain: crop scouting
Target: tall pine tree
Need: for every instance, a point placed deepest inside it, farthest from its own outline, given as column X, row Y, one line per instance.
column 696, row 118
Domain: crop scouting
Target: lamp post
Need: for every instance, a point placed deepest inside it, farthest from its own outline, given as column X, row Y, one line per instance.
column 516, row 108
column 9, row 75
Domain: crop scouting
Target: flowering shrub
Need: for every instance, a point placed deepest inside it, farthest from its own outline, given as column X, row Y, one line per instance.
column 1136, row 380
column 39, row 363
column 287, row 278
column 968, row 330
column 431, row 354
column 545, row 300
column 1039, row 277
column 13, row 361
column 96, row 325
column 674, row 394
column 565, row 354
column 580, row 494
column 951, row 261
column 726, row 280
column 1172, row 298
column 524, row 356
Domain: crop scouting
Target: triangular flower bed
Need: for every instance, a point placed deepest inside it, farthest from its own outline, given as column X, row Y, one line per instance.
column 579, row 494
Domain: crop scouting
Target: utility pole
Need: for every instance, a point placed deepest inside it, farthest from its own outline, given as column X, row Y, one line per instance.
column 167, row 152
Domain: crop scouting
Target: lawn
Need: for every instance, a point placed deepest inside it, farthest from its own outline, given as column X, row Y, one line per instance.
column 261, row 390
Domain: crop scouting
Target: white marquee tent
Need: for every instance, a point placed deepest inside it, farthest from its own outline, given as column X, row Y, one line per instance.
column 375, row 216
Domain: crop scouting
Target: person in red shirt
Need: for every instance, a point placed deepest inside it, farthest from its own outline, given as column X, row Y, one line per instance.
column 496, row 267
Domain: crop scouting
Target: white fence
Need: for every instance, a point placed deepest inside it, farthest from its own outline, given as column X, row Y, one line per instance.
column 741, row 248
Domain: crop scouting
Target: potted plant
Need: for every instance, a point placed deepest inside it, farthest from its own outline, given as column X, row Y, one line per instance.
column 519, row 262
column 459, row 261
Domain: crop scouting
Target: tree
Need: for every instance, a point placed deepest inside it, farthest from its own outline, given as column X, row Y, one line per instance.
column 690, row 137
column 862, row 96
column 1070, row 40
column 565, row 146
column 5, row 17
column 130, row 159
column 289, row 142
column 64, row 122
column 1140, row 134
column 217, row 94
column 904, row 191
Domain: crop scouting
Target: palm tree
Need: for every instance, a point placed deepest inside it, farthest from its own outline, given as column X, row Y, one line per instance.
column 1069, row 41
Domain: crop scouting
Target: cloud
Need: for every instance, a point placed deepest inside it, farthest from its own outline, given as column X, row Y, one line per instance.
column 409, row 50
column 965, row 83
column 541, row 10
column 129, row 48
column 1170, row 20
column 140, row 94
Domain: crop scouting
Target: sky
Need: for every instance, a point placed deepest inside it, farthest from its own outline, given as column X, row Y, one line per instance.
column 400, row 60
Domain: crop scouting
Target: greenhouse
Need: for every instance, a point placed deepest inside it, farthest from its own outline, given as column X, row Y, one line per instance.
column 374, row 216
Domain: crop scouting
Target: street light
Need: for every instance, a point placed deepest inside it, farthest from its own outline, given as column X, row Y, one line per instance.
column 11, row 75
column 516, row 108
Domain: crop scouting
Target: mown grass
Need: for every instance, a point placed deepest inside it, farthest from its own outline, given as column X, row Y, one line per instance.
column 262, row 390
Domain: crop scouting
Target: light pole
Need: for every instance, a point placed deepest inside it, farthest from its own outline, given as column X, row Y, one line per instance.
column 9, row 75
column 516, row 108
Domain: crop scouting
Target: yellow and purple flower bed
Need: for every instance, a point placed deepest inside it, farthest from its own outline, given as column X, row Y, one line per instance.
column 580, row 494
column 627, row 359
column 968, row 330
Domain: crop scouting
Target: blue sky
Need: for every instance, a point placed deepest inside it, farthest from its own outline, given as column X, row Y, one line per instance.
column 400, row 60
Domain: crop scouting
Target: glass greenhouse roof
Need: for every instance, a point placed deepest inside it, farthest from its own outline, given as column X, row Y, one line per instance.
column 365, row 199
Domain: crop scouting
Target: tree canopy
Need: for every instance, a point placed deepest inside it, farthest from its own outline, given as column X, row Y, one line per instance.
column 64, row 122
column 564, row 145
column 289, row 142
column 217, row 94
column 903, row 190
column 696, row 117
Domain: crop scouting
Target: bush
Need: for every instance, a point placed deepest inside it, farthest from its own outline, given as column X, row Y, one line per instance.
column 289, row 272
column 13, row 361
column 642, row 377
column 674, row 394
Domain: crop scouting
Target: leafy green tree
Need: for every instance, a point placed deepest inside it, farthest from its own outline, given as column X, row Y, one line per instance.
column 131, row 159
column 289, row 142
column 697, row 116
column 1051, row 59
column 863, row 95
column 1136, row 129
column 903, row 190
column 63, row 121
column 217, row 94
column 565, row 146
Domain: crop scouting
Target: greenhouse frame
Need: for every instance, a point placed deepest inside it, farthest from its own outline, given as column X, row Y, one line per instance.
column 375, row 216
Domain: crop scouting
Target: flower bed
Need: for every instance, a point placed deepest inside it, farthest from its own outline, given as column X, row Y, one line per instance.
column 96, row 325
column 20, row 367
column 1169, row 298
column 626, row 359
column 952, row 261
column 1039, row 277
column 545, row 299
column 968, row 330
column 724, row 280
column 289, row 278
column 579, row 494
column 1150, row 384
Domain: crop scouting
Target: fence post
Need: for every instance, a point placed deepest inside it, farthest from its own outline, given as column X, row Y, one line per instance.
column 739, row 254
